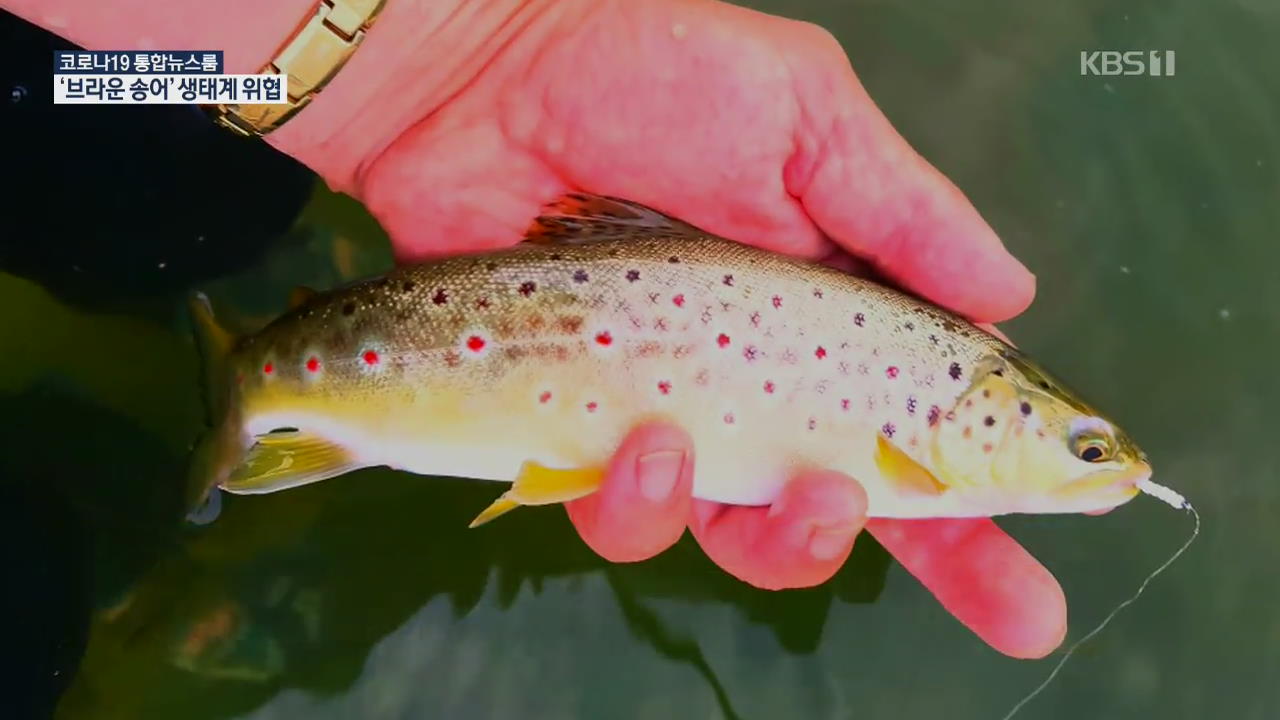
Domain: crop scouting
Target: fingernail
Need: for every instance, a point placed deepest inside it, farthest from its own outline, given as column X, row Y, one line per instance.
column 828, row 544
column 658, row 472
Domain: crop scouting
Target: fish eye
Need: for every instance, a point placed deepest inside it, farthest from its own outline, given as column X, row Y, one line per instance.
column 1091, row 447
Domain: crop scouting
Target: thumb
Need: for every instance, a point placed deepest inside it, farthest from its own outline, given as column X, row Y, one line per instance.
column 869, row 191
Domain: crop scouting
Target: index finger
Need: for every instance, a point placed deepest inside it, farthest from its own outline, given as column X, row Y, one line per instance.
column 984, row 578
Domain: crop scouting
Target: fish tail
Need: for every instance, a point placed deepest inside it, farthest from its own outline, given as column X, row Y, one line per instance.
column 219, row 449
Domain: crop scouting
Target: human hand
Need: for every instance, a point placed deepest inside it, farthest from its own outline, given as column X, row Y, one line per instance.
column 749, row 126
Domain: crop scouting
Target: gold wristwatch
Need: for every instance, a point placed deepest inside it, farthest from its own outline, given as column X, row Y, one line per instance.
column 310, row 59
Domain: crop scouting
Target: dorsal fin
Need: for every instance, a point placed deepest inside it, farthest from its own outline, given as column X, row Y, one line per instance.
column 299, row 296
column 582, row 218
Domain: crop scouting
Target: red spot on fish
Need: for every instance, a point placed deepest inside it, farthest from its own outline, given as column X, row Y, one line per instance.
column 986, row 447
column 729, row 419
column 370, row 357
column 313, row 364
column 820, row 353
column 777, row 301
column 844, row 404
column 475, row 343
column 722, row 341
column 664, row 387
column 768, row 386
column 441, row 297
column 268, row 368
column 968, row 432
column 891, row 372
column 678, row 300
column 591, row 406
column 545, row 397
column 604, row 338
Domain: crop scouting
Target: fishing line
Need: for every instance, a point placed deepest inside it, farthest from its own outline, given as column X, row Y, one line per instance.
column 1174, row 500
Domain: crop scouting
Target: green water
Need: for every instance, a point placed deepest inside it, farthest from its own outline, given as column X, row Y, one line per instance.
column 1149, row 209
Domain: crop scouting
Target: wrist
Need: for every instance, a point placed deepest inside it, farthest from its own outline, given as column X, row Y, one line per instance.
column 416, row 57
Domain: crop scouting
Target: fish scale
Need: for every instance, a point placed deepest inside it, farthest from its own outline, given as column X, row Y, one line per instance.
column 614, row 315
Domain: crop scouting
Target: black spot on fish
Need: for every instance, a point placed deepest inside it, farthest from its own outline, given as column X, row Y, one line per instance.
column 580, row 276
column 888, row 429
column 728, row 280
column 1045, row 385
column 441, row 297
column 491, row 266
column 988, row 421
column 909, row 326
column 859, row 319
column 954, row 371
column 673, row 259
column 349, row 308
column 633, row 275
column 555, row 256
column 527, row 288
column 998, row 373
column 408, row 286
column 1025, row 408
column 933, row 415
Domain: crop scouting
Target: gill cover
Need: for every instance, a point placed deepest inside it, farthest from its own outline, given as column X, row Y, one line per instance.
column 968, row 440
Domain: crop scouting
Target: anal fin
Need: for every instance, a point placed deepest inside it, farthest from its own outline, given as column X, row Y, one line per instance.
column 905, row 475
column 282, row 460
column 539, row 485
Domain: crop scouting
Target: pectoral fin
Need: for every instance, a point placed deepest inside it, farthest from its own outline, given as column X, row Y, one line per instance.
column 282, row 460
column 538, row 485
column 904, row 474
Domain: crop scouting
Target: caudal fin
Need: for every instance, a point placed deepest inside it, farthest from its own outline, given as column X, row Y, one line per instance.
column 219, row 449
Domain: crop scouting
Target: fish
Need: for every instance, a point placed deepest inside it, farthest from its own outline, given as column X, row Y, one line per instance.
column 529, row 365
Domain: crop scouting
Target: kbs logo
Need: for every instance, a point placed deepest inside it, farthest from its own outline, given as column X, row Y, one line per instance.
column 1133, row 62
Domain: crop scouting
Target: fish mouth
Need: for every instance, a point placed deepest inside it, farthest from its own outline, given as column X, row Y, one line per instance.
column 1118, row 484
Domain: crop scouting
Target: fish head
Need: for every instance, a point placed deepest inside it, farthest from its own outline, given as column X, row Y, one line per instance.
column 1017, row 441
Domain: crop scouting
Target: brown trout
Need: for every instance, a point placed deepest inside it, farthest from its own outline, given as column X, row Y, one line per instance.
column 530, row 365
